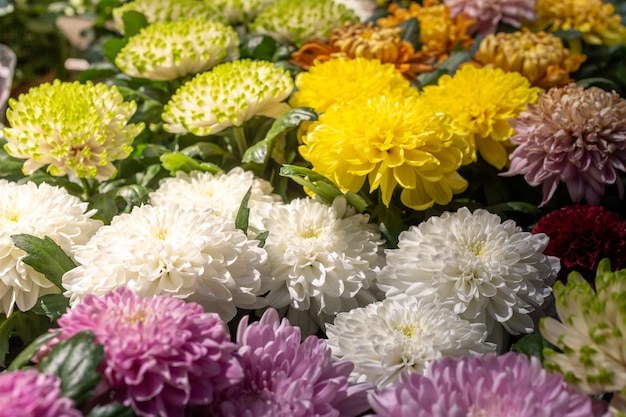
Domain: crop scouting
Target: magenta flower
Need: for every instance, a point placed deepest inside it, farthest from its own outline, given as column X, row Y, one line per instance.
column 494, row 386
column 488, row 13
column 286, row 378
column 160, row 353
column 29, row 393
column 572, row 135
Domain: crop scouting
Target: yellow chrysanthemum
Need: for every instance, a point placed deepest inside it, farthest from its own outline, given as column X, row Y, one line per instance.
column 481, row 101
column 439, row 32
column 338, row 80
column 540, row 57
column 391, row 140
column 595, row 19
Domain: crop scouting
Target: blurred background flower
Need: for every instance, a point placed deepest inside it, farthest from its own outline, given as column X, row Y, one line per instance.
column 489, row 13
column 165, row 11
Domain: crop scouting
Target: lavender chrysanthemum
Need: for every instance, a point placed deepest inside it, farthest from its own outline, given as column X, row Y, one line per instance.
column 29, row 393
column 572, row 135
column 284, row 377
column 160, row 352
column 503, row 386
column 488, row 13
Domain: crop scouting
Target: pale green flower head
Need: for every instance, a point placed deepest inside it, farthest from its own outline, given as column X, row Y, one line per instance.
column 591, row 333
column 168, row 50
column 240, row 11
column 299, row 21
column 71, row 127
column 228, row 95
column 166, row 11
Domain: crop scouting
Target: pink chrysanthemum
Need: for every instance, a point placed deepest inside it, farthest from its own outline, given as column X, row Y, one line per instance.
column 494, row 386
column 29, row 393
column 286, row 378
column 572, row 135
column 488, row 13
column 581, row 236
column 160, row 353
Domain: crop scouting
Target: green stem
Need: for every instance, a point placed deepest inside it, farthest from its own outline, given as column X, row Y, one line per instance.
column 239, row 135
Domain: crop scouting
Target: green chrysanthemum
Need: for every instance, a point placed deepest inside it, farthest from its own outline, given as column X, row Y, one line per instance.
column 168, row 50
column 228, row 95
column 300, row 21
column 165, row 11
column 591, row 333
column 74, row 127
column 238, row 11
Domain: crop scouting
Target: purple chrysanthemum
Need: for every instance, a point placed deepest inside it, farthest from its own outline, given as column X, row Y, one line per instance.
column 494, row 386
column 572, row 135
column 488, row 13
column 160, row 353
column 286, row 378
column 29, row 393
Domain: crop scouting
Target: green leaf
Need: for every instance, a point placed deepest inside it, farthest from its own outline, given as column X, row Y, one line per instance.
column 105, row 204
column 45, row 256
column 258, row 47
column 9, row 165
column 531, row 345
column 7, row 326
column 134, row 21
column 259, row 152
column 177, row 161
column 75, row 361
column 26, row 326
column 243, row 215
column 411, row 32
column 98, row 71
column 24, row 358
column 111, row 410
column 112, row 47
column 133, row 195
column 52, row 306
column 262, row 237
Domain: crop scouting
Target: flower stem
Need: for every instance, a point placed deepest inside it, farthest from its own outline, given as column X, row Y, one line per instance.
column 239, row 135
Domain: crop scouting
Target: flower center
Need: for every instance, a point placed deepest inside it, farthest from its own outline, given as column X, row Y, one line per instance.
column 407, row 330
column 161, row 234
column 310, row 233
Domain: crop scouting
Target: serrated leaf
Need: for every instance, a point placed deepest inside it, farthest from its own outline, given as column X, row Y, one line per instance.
column 75, row 361
column 25, row 356
column 243, row 214
column 177, row 161
column 45, row 256
column 52, row 306
column 111, row 410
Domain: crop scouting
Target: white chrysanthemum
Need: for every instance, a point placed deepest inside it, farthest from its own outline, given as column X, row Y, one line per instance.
column 165, row 11
column 40, row 211
column 190, row 254
column 228, row 95
column 223, row 193
column 299, row 21
column 323, row 260
column 168, row 50
column 240, row 11
column 486, row 270
column 394, row 337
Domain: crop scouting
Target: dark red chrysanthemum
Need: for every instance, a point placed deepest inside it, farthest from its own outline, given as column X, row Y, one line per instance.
column 581, row 236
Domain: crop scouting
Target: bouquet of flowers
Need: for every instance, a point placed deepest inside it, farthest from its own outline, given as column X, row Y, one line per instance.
column 321, row 208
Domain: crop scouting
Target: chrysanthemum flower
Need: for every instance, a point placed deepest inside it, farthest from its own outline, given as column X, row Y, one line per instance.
column 322, row 260
column 367, row 41
column 160, row 352
column 540, row 57
column 299, row 21
column 338, row 80
column 28, row 393
column 190, row 254
column 364, row 9
column 240, row 11
column 38, row 210
column 581, row 236
column 440, row 33
column 74, row 127
column 488, row 13
column 286, row 378
column 222, row 193
column 595, row 19
column 168, row 50
column 481, row 101
column 572, row 135
column 391, row 141
column 507, row 385
column 391, row 338
column 228, row 95
column 591, row 331
column 166, row 11
column 486, row 270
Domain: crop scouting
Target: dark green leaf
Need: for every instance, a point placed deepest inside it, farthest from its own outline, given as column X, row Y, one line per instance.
column 111, row 410
column 112, row 47
column 243, row 215
column 75, row 361
column 262, row 237
column 258, row 47
column 133, row 22
column 133, row 195
column 203, row 150
column 25, row 356
column 283, row 53
column 411, row 32
column 98, row 71
column 45, row 256
column 105, row 204
column 177, row 161
column 531, row 345
column 9, row 165
column 52, row 306
column 26, row 326
column 429, row 78
column 7, row 326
